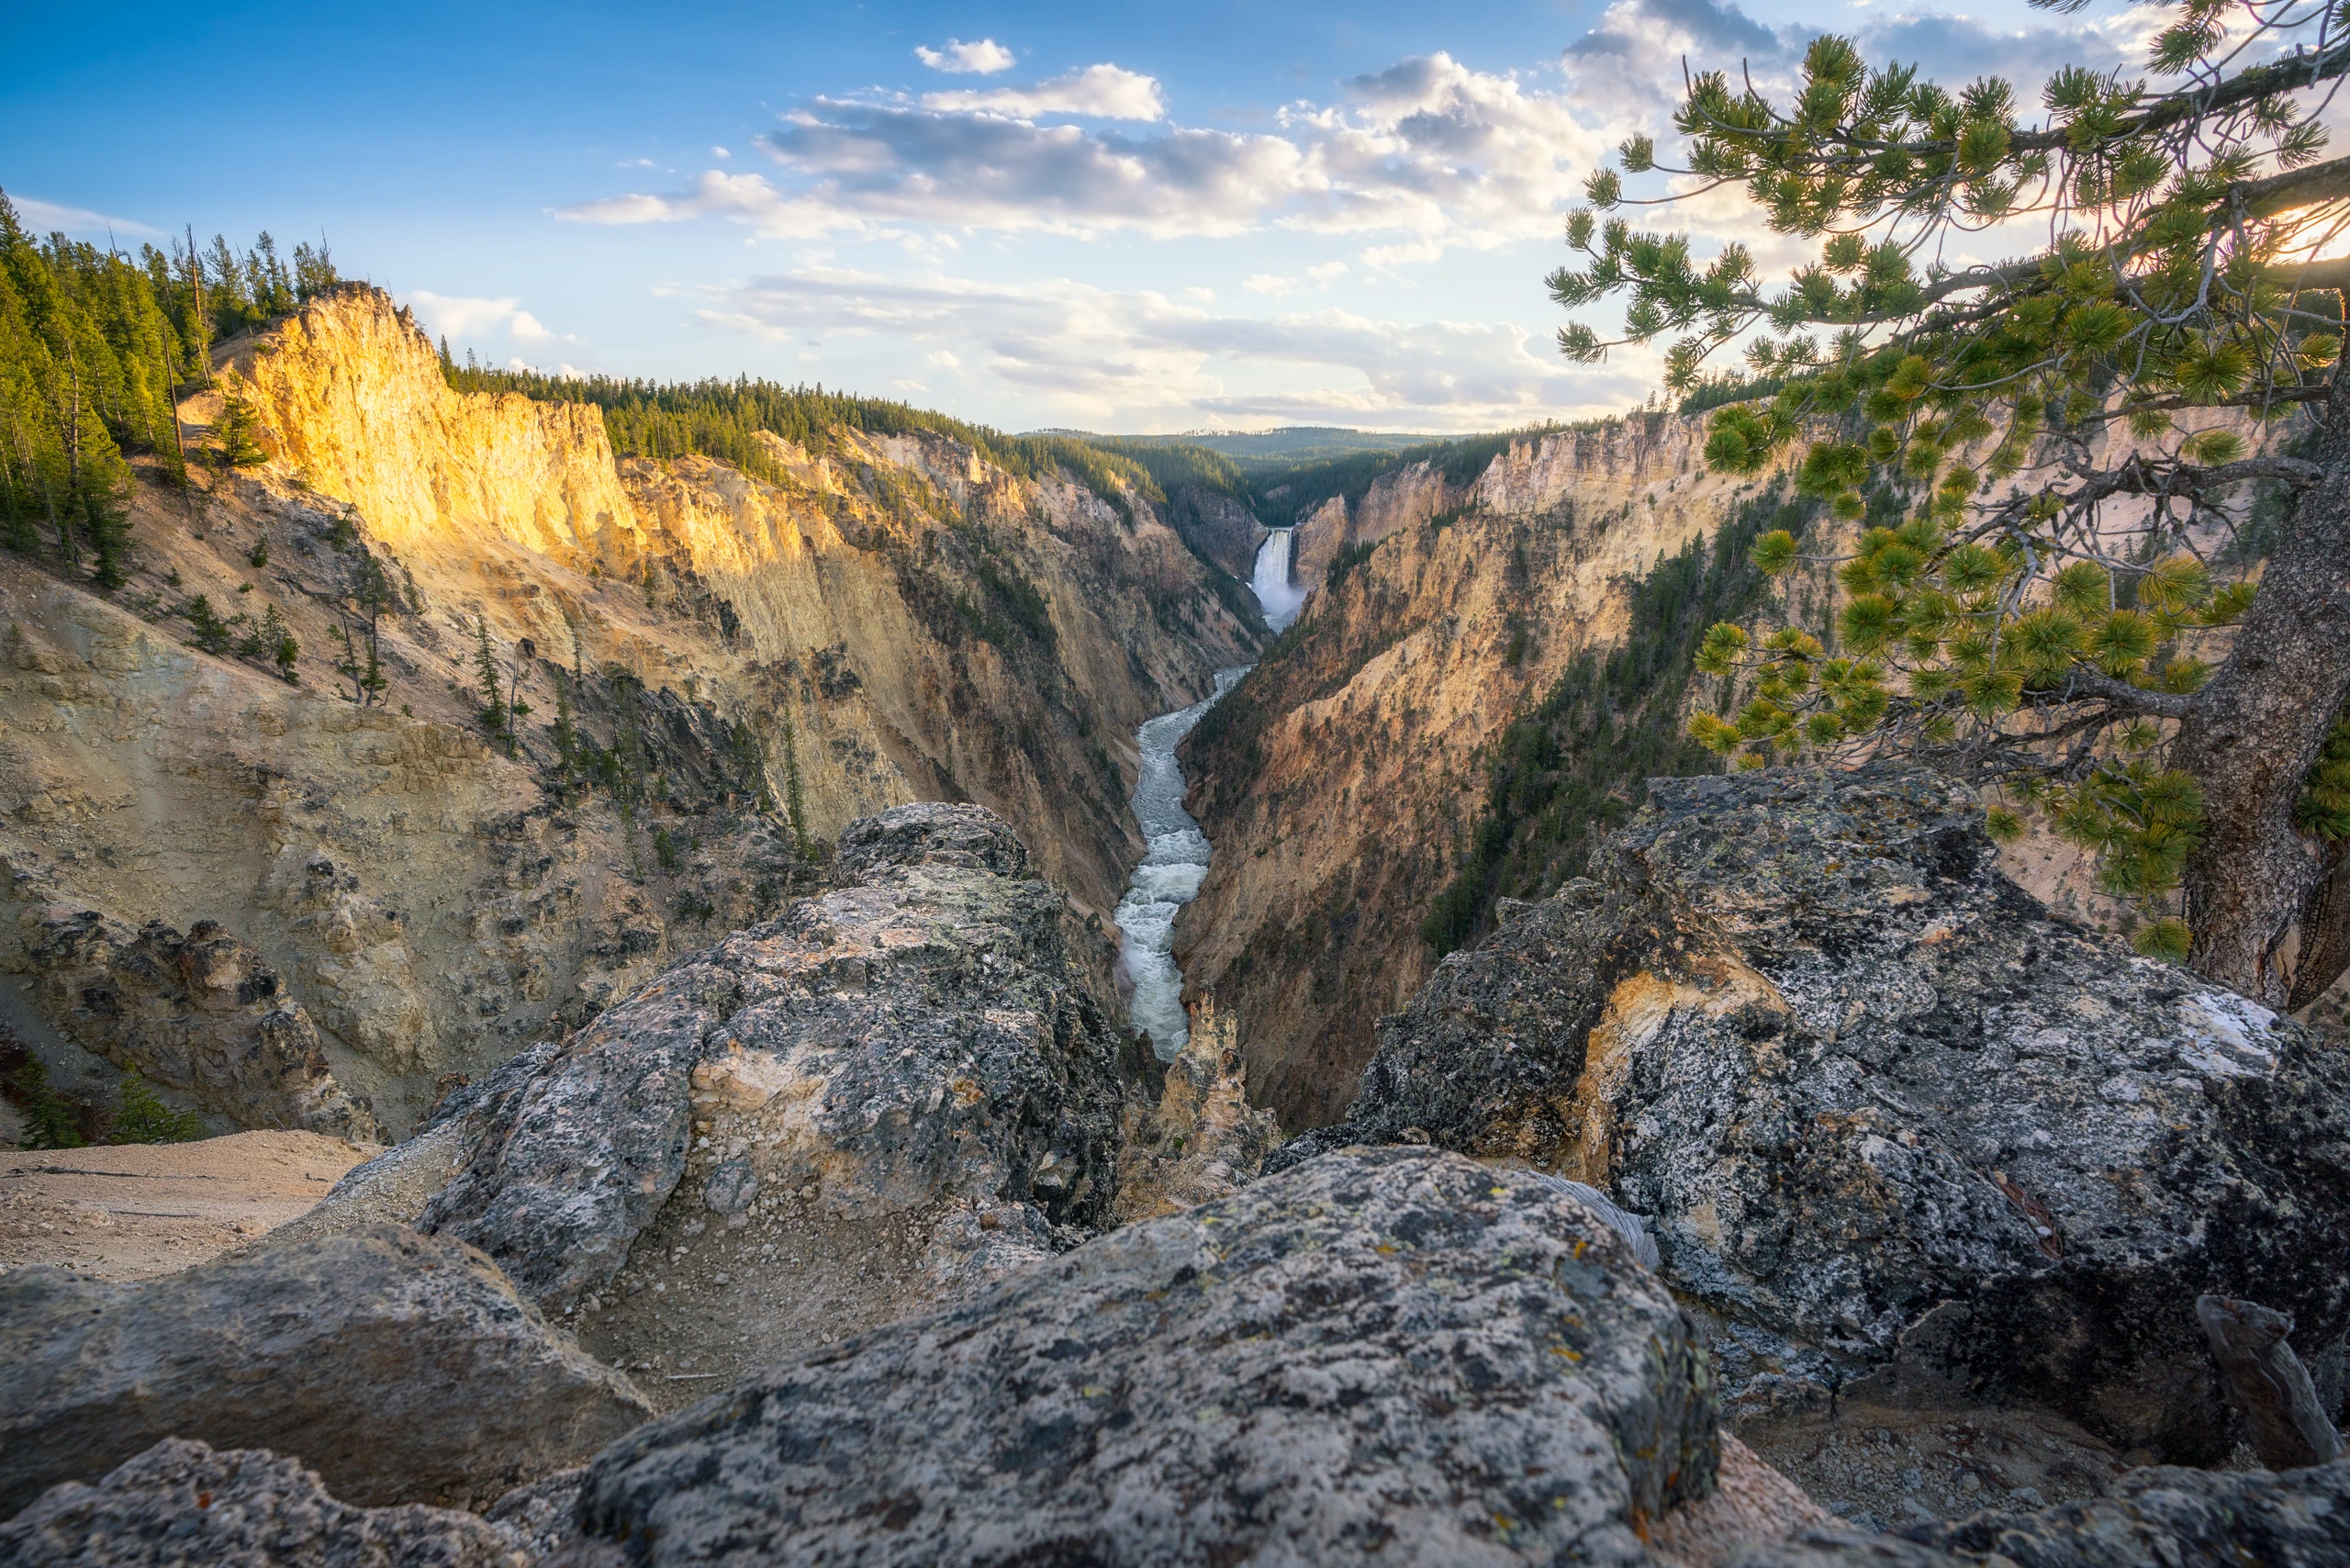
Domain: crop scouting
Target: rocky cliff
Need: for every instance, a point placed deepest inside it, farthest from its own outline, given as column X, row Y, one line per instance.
column 743, row 666
column 1340, row 781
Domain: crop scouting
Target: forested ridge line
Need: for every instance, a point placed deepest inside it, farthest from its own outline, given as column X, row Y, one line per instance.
column 94, row 346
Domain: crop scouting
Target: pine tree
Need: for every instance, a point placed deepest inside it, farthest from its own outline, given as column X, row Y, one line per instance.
column 2062, row 434
column 283, row 649
column 567, row 738
column 50, row 1121
column 493, row 706
column 211, row 632
column 237, row 447
column 140, row 1116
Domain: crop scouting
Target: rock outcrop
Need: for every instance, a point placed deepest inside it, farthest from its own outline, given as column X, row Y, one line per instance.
column 1217, row 527
column 184, row 1505
column 201, row 1013
column 1388, row 1355
column 401, row 1366
column 821, row 1123
column 1906, row 1134
column 1202, row 1141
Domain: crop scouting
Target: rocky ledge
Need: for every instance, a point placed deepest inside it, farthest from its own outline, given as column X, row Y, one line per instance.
column 1903, row 1134
column 893, row 1091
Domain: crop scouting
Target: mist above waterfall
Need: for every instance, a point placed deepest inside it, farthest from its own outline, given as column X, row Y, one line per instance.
column 1167, row 879
column 1277, row 596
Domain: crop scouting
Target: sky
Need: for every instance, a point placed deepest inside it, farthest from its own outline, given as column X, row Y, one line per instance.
column 1220, row 215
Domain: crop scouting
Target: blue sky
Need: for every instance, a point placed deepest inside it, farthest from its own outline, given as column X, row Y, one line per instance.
column 1112, row 217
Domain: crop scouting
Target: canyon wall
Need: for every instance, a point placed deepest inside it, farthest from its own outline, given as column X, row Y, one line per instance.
column 1340, row 781
column 743, row 668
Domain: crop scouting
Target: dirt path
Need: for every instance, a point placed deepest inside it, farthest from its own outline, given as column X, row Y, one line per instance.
column 136, row 1210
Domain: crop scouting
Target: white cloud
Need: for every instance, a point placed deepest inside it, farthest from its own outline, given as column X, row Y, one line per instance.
column 984, row 58
column 1324, row 272
column 44, row 216
column 1092, row 353
column 1267, row 283
column 1429, row 151
column 471, row 316
column 944, row 359
column 719, row 152
column 461, row 316
column 1098, row 92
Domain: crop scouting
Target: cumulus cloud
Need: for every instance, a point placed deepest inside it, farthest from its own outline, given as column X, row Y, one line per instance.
column 984, row 58
column 1098, row 92
column 1430, row 149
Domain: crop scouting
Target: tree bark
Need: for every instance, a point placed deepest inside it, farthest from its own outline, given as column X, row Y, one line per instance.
column 2325, row 932
column 2255, row 731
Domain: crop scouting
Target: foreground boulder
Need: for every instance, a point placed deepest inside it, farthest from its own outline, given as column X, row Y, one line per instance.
column 892, row 1092
column 401, row 1366
column 182, row 1505
column 1906, row 1134
column 1385, row 1356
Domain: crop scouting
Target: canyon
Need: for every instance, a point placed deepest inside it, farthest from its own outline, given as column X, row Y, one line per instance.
column 879, row 1010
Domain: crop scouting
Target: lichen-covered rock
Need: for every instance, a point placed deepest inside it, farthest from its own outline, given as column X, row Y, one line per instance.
column 200, row 1012
column 184, row 1504
column 1388, row 1355
column 2181, row 1519
column 784, row 1138
column 1894, row 1121
column 401, row 1366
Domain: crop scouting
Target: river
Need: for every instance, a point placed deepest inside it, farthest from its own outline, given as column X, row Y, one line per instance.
column 1170, row 874
column 1167, row 879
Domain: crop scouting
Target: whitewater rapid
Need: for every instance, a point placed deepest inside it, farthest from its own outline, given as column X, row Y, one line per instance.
column 1167, row 879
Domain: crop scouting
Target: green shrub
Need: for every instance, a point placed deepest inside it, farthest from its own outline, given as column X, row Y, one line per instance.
column 50, row 1121
column 141, row 1116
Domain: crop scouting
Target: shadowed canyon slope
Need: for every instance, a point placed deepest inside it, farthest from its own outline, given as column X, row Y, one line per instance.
column 396, row 895
column 1340, row 781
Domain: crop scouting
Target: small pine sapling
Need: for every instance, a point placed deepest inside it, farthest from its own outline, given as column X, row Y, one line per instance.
column 141, row 1116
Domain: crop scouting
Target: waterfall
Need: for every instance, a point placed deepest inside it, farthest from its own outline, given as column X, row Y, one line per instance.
column 1167, row 879
column 1274, row 592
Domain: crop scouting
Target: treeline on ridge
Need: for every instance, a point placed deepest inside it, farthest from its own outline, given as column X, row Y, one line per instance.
column 94, row 346
column 721, row 419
